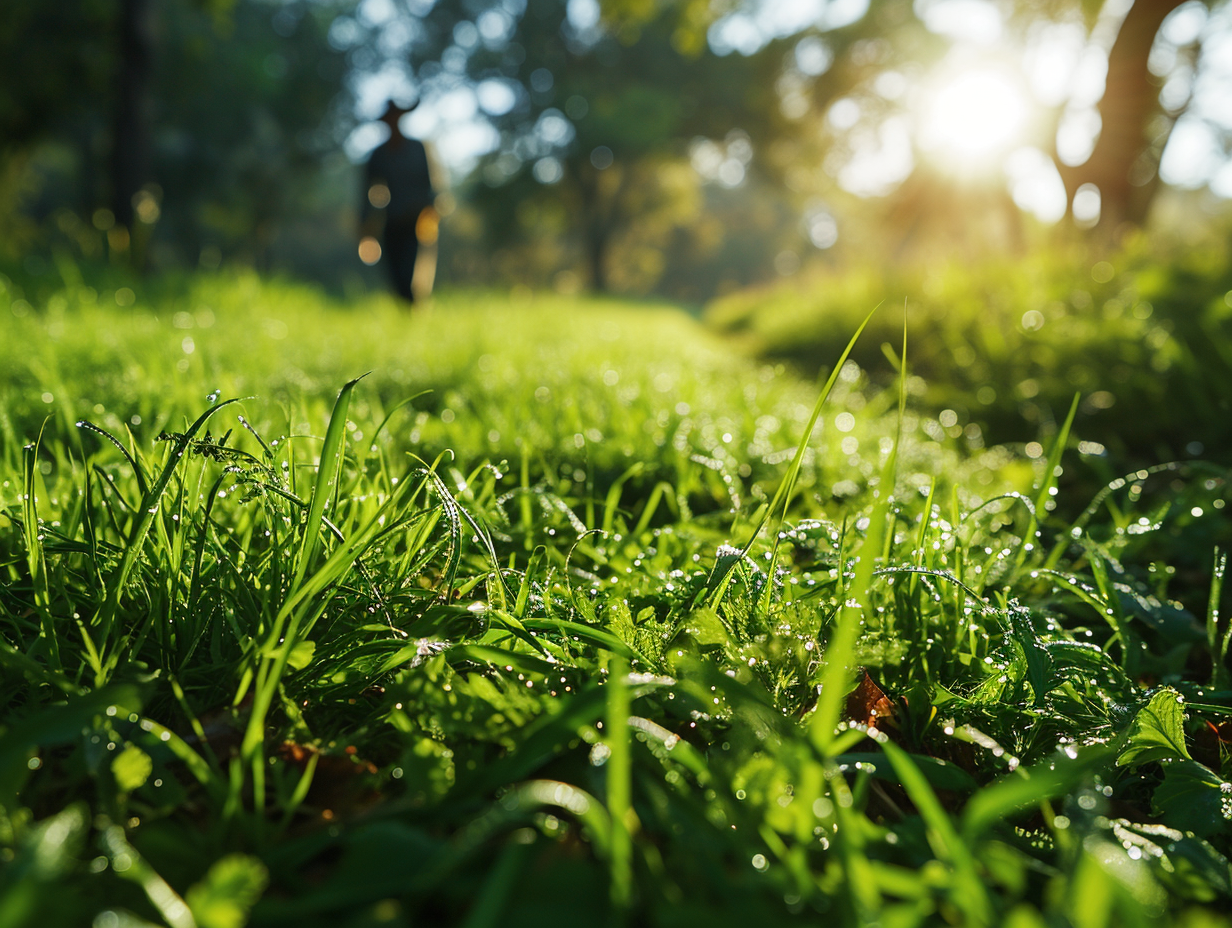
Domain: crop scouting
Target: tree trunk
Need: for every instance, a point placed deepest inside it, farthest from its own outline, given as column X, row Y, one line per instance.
column 599, row 191
column 1130, row 99
column 130, row 155
column 596, row 254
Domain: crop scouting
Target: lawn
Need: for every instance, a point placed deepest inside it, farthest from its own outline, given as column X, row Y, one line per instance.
column 555, row 611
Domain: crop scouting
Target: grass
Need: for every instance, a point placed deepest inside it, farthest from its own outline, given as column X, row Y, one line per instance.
column 598, row 628
column 1141, row 335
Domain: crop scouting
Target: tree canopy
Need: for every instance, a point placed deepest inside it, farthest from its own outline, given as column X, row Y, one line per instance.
column 186, row 128
column 600, row 142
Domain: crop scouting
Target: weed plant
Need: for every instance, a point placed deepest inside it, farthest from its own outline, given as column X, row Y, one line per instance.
column 612, row 626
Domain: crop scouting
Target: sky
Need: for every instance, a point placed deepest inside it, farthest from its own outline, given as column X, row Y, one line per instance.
column 976, row 111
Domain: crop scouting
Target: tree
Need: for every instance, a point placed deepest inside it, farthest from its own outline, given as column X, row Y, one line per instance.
column 130, row 145
column 637, row 106
column 54, row 64
column 592, row 120
column 248, row 109
column 188, row 123
column 1134, row 126
column 1124, row 163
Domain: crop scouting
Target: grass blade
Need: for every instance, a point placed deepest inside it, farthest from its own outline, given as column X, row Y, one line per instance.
column 327, row 477
column 969, row 892
column 1026, row 788
column 36, row 560
column 619, row 785
column 1047, row 483
column 835, row 674
column 782, row 496
column 132, row 549
column 1219, row 649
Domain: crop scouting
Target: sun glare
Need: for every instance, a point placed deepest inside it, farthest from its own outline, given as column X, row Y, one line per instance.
column 974, row 116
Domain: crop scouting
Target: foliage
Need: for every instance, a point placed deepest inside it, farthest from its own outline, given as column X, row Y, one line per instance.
column 874, row 54
column 245, row 104
column 589, row 175
column 1138, row 334
column 250, row 116
column 56, row 64
column 275, row 659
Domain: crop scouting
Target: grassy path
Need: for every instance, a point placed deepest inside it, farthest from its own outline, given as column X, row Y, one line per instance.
column 286, row 647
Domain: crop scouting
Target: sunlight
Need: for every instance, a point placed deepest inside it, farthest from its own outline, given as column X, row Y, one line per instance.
column 974, row 116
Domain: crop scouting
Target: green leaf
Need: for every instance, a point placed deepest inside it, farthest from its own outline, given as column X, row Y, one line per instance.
column 301, row 655
column 542, row 740
column 1039, row 661
column 1199, row 869
column 1027, row 787
column 499, row 657
column 1192, row 797
column 228, row 892
column 595, row 636
column 379, row 860
column 969, row 893
column 706, row 628
column 1157, row 733
column 940, row 774
column 49, row 848
column 55, row 725
column 131, row 768
column 545, row 738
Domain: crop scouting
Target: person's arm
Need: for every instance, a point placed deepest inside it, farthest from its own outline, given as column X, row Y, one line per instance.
column 438, row 177
column 441, row 202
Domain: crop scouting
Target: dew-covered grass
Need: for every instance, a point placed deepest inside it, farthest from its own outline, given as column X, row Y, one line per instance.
column 555, row 611
column 1141, row 332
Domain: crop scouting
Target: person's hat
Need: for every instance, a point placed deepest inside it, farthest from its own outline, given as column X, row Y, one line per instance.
column 396, row 109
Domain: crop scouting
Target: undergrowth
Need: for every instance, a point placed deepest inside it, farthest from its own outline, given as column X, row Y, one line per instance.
column 1140, row 332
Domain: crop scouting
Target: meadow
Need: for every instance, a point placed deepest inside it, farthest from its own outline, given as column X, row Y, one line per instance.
column 536, row 610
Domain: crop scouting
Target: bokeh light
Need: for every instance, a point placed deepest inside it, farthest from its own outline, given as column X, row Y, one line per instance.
column 974, row 116
column 378, row 195
column 369, row 250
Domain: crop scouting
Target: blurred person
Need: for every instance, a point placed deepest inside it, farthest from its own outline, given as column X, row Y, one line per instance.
column 398, row 189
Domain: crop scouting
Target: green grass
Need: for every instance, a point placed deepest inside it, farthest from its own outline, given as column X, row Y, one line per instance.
column 1141, row 335
column 283, row 646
